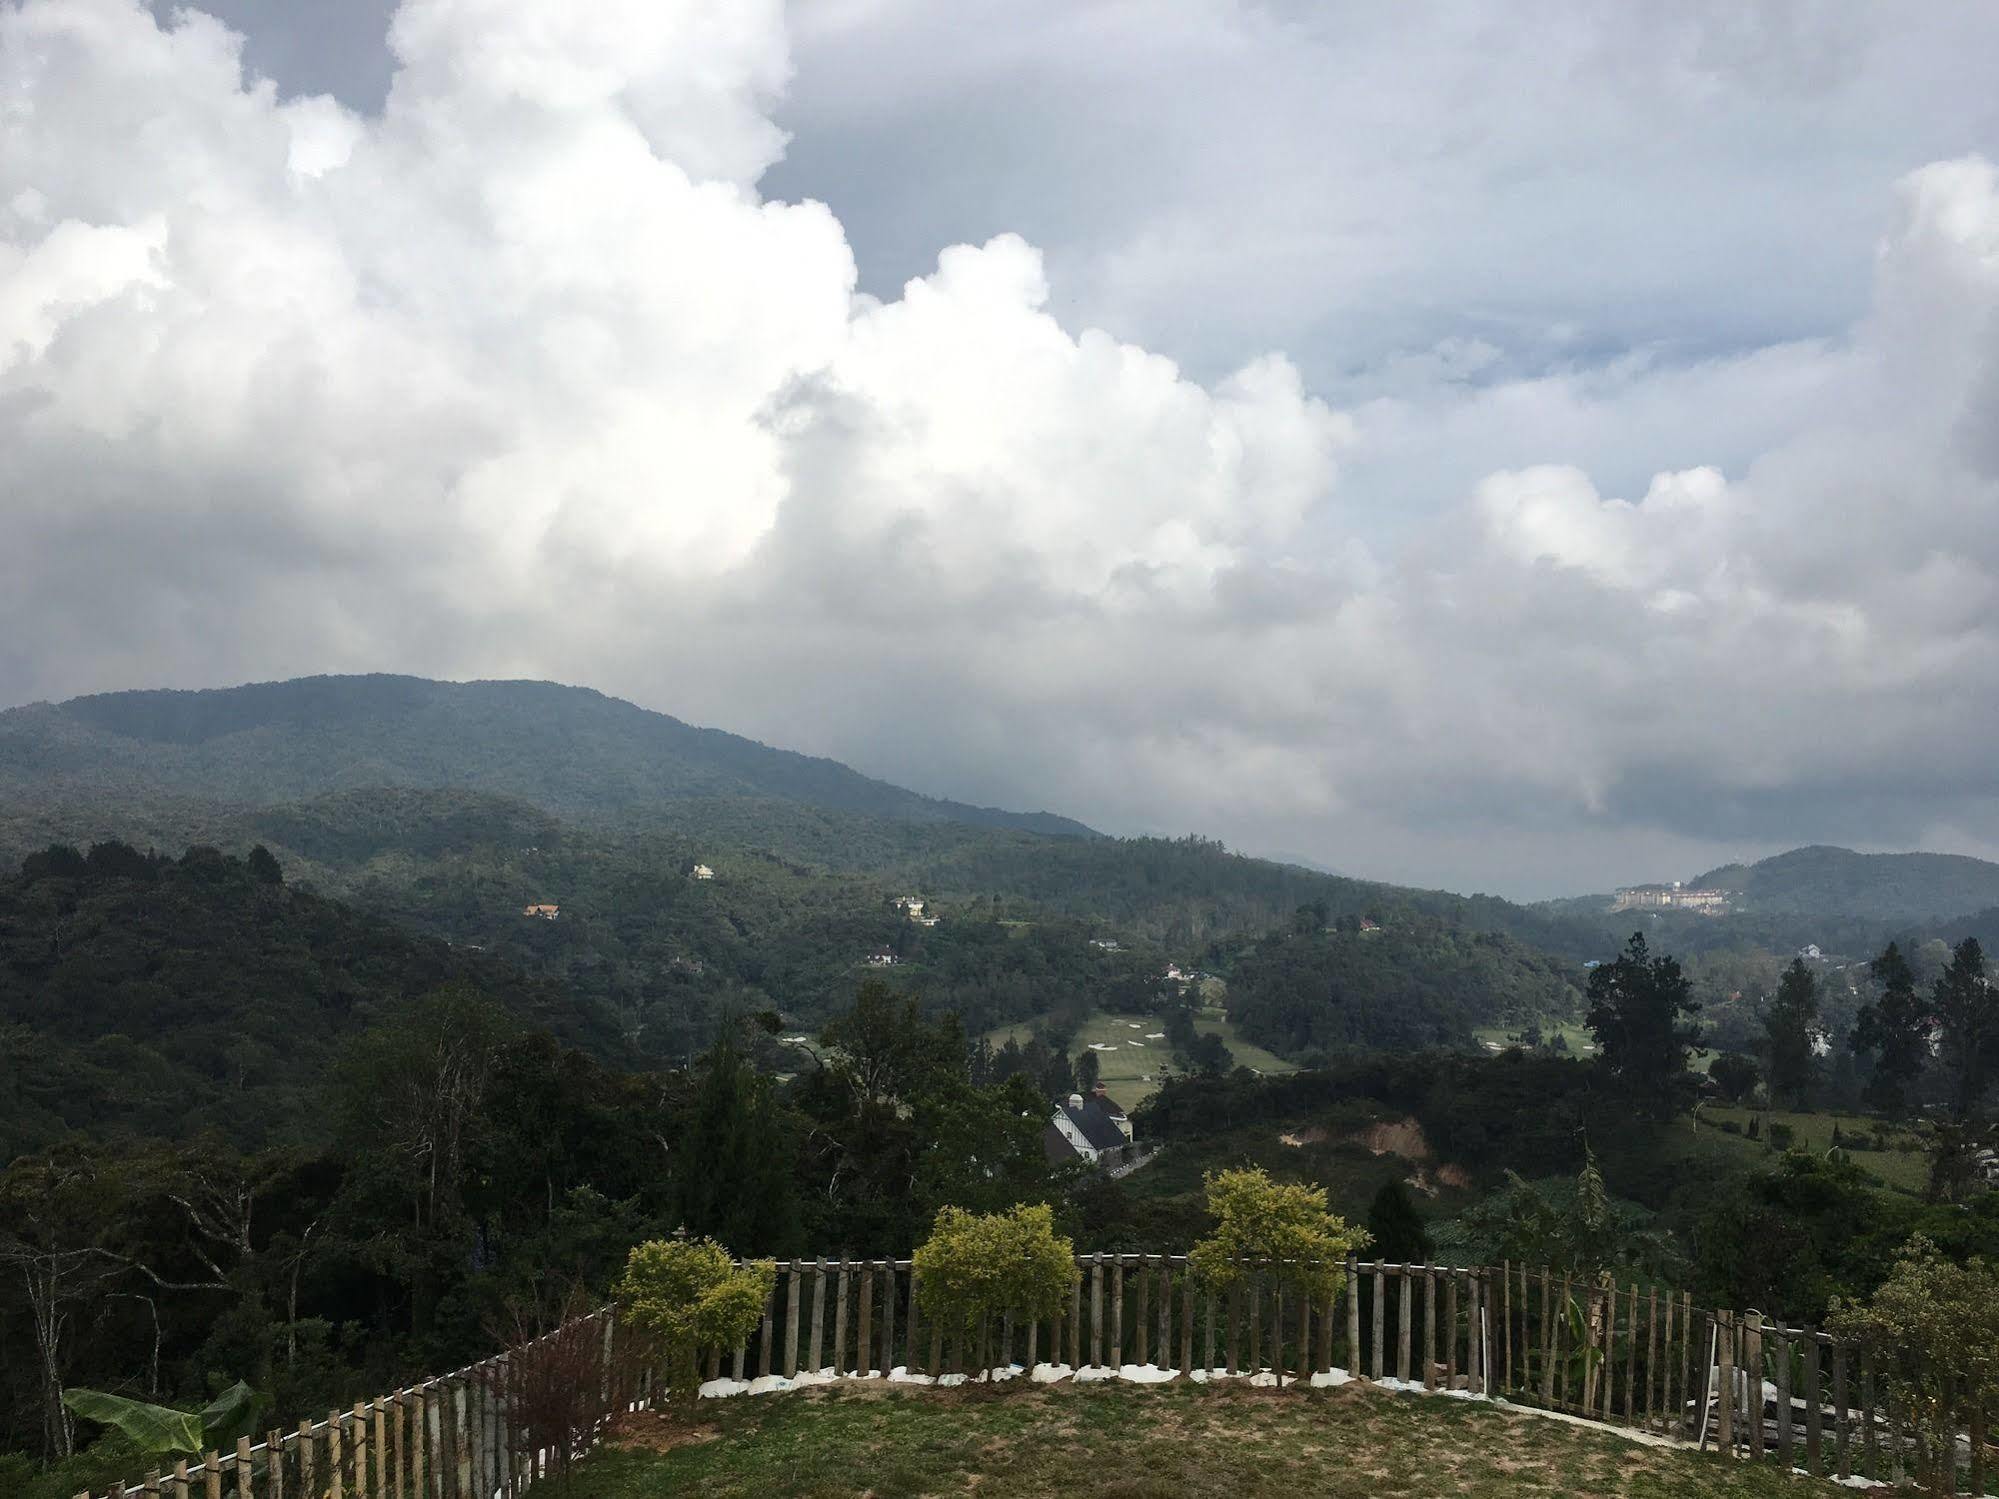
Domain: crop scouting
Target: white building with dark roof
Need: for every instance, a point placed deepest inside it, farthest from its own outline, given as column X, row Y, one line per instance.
column 1086, row 1128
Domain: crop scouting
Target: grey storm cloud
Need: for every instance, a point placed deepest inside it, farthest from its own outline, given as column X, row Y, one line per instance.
column 1623, row 499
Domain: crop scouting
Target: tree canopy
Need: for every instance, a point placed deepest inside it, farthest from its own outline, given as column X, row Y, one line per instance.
column 1640, row 1010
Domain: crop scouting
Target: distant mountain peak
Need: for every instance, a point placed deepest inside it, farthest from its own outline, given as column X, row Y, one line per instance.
column 1824, row 879
column 572, row 751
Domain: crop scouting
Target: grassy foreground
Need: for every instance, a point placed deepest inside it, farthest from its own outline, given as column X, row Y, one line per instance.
column 1122, row 1442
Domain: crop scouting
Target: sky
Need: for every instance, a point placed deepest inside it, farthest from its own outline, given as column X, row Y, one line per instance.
column 1528, row 448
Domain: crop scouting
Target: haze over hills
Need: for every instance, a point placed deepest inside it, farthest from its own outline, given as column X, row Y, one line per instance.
column 344, row 769
column 570, row 750
column 1825, row 881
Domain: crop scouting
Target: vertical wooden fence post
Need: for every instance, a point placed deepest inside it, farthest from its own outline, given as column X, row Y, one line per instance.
column 1277, row 1333
column 864, row 1319
column 1322, row 1363
column 1870, row 1441
column 1450, row 1329
column 1076, row 1319
column 1724, row 1373
column 1814, row 1407
column 840, row 1364
column 308, row 1469
column 1752, row 1369
column 1187, row 1323
column 791, row 1287
column 1405, row 1309
column 1842, row 1453
column 888, row 1317
column 1096, row 1309
column 1380, row 1322
column 815, row 1345
column 1561, row 1332
column 1652, row 1355
column 1255, row 1363
column 1354, row 1369
column 1235, row 1324
column 1780, row 1357
column 1117, row 1311
column 1477, row 1350
column 1429, row 1360
column 1142, row 1314
column 1631, row 1359
column 421, row 1443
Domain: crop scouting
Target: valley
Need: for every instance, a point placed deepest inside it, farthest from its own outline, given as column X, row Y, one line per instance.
column 455, row 1041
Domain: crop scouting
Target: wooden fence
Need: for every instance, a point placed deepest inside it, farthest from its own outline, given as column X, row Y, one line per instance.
column 1640, row 1357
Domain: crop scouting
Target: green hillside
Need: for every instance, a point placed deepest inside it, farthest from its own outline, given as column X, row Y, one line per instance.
column 448, row 809
column 1824, row 881
column 155, row 998
column 569, row 750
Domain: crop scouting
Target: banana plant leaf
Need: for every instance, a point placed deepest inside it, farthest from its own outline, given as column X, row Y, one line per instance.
column 230, row 1415
column 156, row 1429
column 168, row 1432
column 1583, row 1355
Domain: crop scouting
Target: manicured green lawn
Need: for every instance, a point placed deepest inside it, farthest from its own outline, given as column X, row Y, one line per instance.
column 1581, row 1042
column 1121, row 1442
column 1906, row 1170
column 1131, row 1072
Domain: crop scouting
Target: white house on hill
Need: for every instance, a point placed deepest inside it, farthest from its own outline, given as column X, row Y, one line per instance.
column 1086, row 1128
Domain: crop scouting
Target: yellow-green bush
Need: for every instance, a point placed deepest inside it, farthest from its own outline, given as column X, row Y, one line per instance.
column 975, row 1267
column 690, row 1295
column 1284, row 1233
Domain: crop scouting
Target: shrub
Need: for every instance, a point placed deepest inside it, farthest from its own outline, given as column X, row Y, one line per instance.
column 1781, row 1135
column 1933, row 1331
column 1301, row 1244
column 978, row 1266
column 690, row 1295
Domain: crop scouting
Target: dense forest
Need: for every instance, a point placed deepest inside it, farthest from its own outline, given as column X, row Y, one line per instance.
column 801, row 899
column 1412, row 984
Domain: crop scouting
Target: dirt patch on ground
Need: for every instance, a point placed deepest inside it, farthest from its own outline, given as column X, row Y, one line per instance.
column 660, row 1430
column 1403, row 1137
column 1301, row 1138
column 1432, row 1182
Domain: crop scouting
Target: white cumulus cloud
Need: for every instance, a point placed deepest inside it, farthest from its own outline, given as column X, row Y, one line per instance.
column 524, row 375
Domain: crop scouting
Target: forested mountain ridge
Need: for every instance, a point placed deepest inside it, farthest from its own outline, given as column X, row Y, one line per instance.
column 449, row 809
column 156, row 998
column 1824, row 881
column 570, row 750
